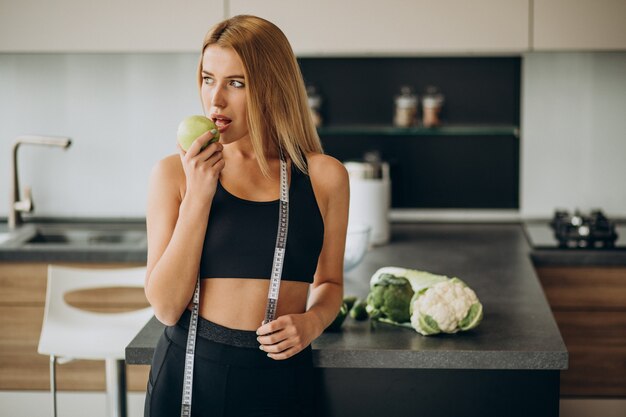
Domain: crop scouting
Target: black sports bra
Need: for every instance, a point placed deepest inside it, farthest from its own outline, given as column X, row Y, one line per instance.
column 241, row 235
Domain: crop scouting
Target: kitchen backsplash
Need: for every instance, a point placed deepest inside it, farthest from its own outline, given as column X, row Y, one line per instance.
column 573, row 151
column 121, row 110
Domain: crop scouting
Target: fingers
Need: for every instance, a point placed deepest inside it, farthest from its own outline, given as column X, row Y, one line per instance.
column 211, row 156
column 276, row 337
column 284, row 354
column 280, row 338
column 201, row 142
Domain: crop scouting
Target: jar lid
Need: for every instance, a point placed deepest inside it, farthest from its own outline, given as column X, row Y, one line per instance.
column 432, row 101
column 314, row 102
column 406, row 101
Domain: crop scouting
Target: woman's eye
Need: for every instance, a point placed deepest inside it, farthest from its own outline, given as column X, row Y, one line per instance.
column 237, row 84
column 207, row 80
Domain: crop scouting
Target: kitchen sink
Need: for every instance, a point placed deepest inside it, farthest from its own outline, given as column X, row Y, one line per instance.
column 85, row 237
column 75, row 235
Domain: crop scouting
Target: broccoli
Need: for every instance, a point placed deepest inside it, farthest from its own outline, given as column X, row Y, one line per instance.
column 390, row 298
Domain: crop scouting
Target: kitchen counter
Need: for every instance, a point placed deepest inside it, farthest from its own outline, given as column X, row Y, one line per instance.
column 517, row 332
column 15, row 248
column 513, row 356
column 95, row 241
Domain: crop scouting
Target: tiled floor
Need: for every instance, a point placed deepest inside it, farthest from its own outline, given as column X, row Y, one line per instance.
column 69, row 404
column 74, row 404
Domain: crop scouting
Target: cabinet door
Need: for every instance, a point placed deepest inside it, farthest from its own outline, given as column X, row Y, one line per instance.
column 394, row 27
column 106, row 26
column 579, row 25
column 22, row 302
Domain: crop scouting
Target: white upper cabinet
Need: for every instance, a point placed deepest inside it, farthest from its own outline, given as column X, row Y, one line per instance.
column 396, row 27
column 106, row 26
column 579, row 25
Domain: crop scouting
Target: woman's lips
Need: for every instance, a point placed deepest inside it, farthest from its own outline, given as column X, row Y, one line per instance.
column 222, row 122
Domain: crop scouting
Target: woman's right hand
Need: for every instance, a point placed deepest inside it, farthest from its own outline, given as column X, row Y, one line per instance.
column 202, row 167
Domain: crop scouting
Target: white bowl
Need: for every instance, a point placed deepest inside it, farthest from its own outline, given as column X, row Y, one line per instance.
column 357, row 244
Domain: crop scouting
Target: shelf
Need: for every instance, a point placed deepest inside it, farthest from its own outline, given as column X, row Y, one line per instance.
column 446, row 130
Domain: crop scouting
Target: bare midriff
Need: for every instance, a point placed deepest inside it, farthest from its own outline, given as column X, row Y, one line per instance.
column 239, row 303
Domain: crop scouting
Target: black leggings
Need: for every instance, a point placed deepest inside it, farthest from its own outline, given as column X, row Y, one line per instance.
column 228, row 380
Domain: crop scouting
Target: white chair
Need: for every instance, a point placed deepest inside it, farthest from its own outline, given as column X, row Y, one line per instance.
column 70, row 333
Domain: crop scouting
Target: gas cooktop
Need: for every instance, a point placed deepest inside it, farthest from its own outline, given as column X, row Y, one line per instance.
column 591, row 230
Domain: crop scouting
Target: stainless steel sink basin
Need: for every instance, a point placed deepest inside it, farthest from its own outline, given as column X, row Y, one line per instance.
column 85, row 237
column 75, row 235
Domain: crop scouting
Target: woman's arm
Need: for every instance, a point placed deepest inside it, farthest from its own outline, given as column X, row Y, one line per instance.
column 176, row 223
column 289, row 334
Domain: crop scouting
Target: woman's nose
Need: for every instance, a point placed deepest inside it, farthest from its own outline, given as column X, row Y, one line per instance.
column 219, row 97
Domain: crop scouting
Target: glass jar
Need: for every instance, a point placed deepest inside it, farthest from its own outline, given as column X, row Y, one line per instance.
column 432, row 102
column 405, row 114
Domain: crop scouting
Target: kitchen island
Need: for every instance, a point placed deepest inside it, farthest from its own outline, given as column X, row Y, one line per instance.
column 509, row 365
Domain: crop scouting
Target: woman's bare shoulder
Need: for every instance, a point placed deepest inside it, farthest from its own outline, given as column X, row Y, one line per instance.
column 328, row 175
column 168, row 173
column 324, row 167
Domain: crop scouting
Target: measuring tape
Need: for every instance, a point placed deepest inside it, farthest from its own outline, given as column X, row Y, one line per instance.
column 272, row 295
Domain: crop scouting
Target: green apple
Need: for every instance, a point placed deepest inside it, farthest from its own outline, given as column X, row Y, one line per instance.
column 194, row 126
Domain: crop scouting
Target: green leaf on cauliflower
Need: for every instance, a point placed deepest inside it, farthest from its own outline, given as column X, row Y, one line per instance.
column 473, row 318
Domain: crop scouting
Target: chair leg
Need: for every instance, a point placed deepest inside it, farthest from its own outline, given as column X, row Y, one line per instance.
column 53, row 384
column 116, row 387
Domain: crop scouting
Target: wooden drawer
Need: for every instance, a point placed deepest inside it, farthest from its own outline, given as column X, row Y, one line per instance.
column 23, row 283
column 596, row 342
column 590, row 288
column 22, row 301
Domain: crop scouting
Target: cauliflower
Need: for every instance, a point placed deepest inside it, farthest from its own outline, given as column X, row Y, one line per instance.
column 390, row 298
column 447, row 306
column 439, row 304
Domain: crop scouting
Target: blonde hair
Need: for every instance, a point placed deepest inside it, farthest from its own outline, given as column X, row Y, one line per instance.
column 278, row 112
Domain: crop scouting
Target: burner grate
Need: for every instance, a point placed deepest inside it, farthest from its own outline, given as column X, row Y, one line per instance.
column 578, row 230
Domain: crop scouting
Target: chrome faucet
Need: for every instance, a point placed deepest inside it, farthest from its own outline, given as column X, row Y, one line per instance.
column 19, row 205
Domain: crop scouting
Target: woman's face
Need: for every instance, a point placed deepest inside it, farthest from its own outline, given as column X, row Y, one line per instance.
column 224, row 92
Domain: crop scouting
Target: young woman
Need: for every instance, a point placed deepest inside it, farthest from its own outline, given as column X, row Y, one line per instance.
column 213, row 214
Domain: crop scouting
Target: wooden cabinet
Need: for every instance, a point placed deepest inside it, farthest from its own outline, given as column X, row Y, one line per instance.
column 396, row 27
column 589, row 306
column 579, row 25
column 106, row 26
column 325, row 27
column 22, row 301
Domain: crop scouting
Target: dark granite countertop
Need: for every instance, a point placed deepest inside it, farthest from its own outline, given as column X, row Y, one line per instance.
column 518, row 330
column 13, row 246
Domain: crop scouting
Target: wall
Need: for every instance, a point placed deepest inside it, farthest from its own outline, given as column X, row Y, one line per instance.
column 122, row 111
column 573, row 132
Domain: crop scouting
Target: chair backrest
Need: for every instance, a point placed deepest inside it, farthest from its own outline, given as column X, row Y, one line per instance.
column 70, row 331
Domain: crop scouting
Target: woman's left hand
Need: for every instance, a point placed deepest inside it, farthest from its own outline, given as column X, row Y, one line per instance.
column 288, row 335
